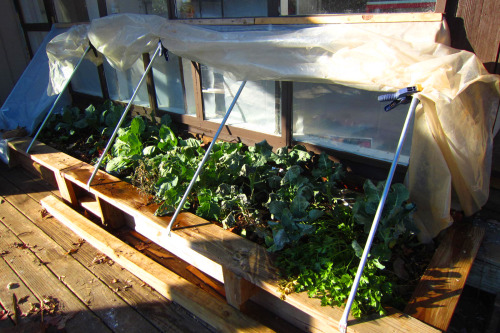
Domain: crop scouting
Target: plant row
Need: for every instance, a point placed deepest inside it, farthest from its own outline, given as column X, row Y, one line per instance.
column 289, row 200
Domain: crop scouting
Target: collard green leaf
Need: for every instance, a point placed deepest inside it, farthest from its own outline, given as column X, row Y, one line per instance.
column 117, row 164
column 264, row 149
column 149, row 151
column 291, row 175
column 298, row 207
column 299, row 154
column 280, row 239
column 358, row 250
column 276, row 208
column 167, row 139
column 208, row 210
column 166, row 120
column 137, row 126
column 314, row 215
column 81, row 124
column 165, row 209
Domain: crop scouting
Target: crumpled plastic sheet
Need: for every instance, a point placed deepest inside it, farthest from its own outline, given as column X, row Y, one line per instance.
column 453, row 131
column 64, row 51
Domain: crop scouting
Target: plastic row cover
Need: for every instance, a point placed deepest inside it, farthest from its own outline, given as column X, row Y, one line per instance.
column 29, row 100
column 452, row 140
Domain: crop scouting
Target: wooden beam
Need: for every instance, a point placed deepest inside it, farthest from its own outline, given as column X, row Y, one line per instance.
column 223, row 21
column 238, row 290
column 66, row 189
column 437, row 294
column 110, row 215
column 150, row 84
column 211, row 310
column 440, row 6
column 323, row 19
column 198, row 94
column 357, row 18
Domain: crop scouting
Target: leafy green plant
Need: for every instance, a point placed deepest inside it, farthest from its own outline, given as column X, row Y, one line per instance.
column 96, row 122
column 288, row 200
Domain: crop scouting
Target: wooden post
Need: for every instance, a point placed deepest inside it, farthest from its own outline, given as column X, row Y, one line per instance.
column 66, row 189
column 110, row 215
column 238, row 290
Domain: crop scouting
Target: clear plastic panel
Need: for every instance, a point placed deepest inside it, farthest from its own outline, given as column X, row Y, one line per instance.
column 168, row 82
column 189, row 83
column 257, row 109
column 348, row 119
column 71, row 11
column 245, row 8
column 92, row 9
column 126, row 6
column 33, row 11
column 86, row 79
column 121, row 84
column 36, row 39
column 157, row 7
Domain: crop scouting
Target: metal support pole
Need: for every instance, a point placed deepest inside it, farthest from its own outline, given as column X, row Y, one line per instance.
column 378, row 214
column 205, row 158
column 57, row 99
column 124, row 114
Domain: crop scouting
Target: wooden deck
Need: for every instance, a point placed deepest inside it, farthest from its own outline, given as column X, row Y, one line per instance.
column 45, row 264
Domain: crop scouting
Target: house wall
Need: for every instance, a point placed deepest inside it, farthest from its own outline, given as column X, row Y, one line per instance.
column 14, row 55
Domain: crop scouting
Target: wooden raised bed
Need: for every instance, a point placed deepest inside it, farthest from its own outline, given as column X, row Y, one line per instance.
column 244, row 267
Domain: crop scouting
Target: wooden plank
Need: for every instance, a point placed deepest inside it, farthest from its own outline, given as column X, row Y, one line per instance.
column 173, row 263
column 44, row 155
column 165, row 315
column 23, row 295
column 19, row 159
column 110, row 308
column 110, row 215
column 150, row 84
column 481, row 21
column 90, row 204
column 228, row 21
column 66, row 189
column 494, row 325
column 43, row 284
column 437, row 294
column 213, row 311
column 352, row 18
column 484, row 276
column 485, row 272
column 238, row 290
column 440, row 6
column 323, row 19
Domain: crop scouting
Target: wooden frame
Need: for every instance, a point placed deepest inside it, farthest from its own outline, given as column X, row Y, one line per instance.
column 244, row 267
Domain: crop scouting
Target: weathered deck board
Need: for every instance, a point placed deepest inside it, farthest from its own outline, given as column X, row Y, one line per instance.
column 437, row 295
column 98, row 297
column 212, row 310
column 43, row 283
column 165, row 315
column 23, row 295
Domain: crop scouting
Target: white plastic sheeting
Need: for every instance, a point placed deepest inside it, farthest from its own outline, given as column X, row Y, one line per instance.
column 452, row 139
